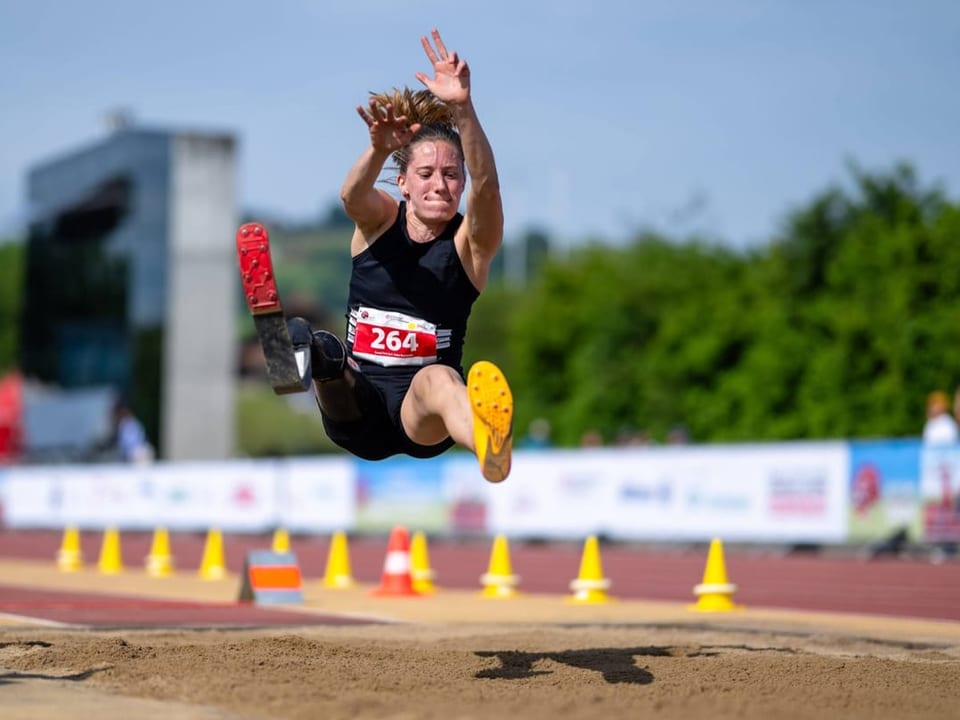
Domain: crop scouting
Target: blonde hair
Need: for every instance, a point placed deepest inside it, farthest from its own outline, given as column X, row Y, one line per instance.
column 938, row 401
column 420, row 106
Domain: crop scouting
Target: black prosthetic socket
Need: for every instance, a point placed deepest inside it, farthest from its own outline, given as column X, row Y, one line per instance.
column 340, row 392
column 299, row 330
column 328, row 355
column 338, row 399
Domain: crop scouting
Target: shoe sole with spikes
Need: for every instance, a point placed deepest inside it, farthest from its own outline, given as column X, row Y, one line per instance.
column 492, row 405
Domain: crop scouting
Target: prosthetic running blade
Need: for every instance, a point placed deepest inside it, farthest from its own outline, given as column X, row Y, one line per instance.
column 286, row 372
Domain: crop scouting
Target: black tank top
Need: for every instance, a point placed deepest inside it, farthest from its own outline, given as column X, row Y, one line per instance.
column 425, row 280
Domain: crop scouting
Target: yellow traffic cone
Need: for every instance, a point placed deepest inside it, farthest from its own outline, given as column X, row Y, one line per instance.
column 212, row 566
column 715, row 593
column 591, row 586
column 69, row 556
column 420, row 570
column 159, row 562
column 111, row 559
column 499, row 580
column 337, row 574
column 281, row 541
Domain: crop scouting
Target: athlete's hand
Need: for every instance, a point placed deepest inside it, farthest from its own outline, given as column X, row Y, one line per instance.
column 387, row 131
column 451, row 76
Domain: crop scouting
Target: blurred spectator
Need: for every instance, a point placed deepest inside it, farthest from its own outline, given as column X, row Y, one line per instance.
column 11, row 417
column 678, row 435
column 630, row 436
column 591, row 439
column 940, row 427
column 131, row 439
column 538, row 435
column 956, row 404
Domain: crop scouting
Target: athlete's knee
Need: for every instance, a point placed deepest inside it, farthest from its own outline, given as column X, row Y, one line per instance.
column 434, row 387
column 438, row 379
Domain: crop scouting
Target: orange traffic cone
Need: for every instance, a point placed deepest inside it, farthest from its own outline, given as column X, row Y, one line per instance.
column 591, row 586
column 715, row 593
column 499, row 581
column 396, row 580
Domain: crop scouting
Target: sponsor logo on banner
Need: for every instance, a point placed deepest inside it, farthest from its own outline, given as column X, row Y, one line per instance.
column 797, row 492
column 728, row 502
column 659, row 493
column 576, row 484
column 244, row 496
column 524, row 504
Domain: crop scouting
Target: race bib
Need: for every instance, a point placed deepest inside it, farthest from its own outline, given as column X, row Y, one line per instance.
column 392, row 338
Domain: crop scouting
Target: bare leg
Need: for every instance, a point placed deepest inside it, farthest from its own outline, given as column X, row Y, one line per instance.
column 479, row 417
column 436, row 407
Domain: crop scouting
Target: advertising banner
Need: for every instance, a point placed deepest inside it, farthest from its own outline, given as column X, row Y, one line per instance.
column 556, row 494
column 236, row 496
column 940, row 493
column 33, row 497
column 884, row 487
column 316, row 495
column 465, row 495
column 400, row 491
column 790, row 492
column 778, row 492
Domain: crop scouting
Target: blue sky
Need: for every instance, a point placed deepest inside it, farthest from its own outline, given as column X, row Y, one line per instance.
column 605, row 117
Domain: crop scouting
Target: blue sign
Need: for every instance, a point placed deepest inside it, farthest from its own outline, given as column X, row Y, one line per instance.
column 884, row 485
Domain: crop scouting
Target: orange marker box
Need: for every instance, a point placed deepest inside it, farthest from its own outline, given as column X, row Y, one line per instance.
column 271, row 578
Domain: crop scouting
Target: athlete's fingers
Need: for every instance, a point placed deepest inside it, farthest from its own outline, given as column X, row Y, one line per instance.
column 363, row 115
column 441, row 48
column 376, row 112
column 429, row 50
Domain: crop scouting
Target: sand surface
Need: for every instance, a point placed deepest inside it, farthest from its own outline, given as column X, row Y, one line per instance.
column 458, row 655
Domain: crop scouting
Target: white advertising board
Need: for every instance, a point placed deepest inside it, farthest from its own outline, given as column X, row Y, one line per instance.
column 317, row 495
column 777, row 492
column 238, row 496
column 789, row 492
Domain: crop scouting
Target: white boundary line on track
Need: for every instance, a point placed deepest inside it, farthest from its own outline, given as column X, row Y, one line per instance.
column 28, row 620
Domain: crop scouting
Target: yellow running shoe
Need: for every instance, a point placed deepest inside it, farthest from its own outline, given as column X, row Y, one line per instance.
column 492, row 404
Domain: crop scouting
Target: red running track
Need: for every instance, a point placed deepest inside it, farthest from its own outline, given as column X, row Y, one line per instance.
column 889, row 586
column 105, row 611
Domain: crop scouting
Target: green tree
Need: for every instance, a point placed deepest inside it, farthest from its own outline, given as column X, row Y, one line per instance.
column 877, row 304
column 837, row 328
column 613, row 338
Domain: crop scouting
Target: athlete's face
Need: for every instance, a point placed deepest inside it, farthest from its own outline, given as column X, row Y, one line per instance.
column 434, row 181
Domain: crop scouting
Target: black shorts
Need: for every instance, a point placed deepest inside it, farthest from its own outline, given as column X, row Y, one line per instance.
column 379, row 433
